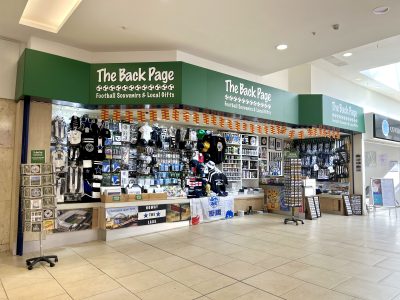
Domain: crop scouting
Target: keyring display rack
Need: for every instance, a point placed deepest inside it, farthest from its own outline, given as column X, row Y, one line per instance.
column 293, row 187
column 37, row 193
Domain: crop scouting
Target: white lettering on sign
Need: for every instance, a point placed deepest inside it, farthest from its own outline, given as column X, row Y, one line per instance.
column 124, row 75
column 394, row 130
column 343, row 114
column 243, row 97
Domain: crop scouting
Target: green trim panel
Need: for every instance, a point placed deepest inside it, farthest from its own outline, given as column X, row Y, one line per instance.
column 220, row 92
column 54, row 77
column 317, row 110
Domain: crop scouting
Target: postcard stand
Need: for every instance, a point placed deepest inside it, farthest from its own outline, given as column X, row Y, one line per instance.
column 37, row 192
column 293, row 188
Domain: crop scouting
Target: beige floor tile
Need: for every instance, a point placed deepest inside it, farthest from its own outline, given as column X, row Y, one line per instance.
column 390, row 263
column 193, row 275
column 231, row 292
column 364, row 258
column 123, row 269
column 321, row 277
column 313, row 292
column 143, row 281
column 26, row 278
column 250, row 256
column 122, row 242
column 133, row 248
column 119, row 293
column 189, row 251
column 392, row 280
column 169, row 291
column 364, row 272
column 258, row 295
column 213, row 284
column 211, row 259
column 77, row 273
column 323, row 261
column 94, row 250
column 366, row 289
column 224, row 248
column 288, row 252
column 239, row 269
column 150, row 255
column 70, row 261
column 272, row 261
column 170, row 245
column 90, row 286
column 7, row 270
column 60, row 297
column 290, row 268
column 50, row 288
column 108, row 259
column 169, row 264
column 2, row 292
column 273, row 282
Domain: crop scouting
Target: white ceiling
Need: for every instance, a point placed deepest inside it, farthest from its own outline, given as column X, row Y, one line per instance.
column 369, row 56
column 239, row 33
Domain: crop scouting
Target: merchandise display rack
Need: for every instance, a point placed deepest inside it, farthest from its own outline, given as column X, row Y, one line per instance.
column 293, row 187
column 37, row 190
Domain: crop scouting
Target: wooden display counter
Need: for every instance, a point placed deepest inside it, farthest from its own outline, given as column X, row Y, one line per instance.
column 242, row 202
column 331, row 204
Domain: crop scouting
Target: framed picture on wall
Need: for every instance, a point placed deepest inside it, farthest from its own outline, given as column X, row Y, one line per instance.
column 271, row 144
column 278, row 144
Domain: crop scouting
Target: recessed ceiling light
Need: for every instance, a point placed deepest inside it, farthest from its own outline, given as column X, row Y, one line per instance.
column 347, row 54
column 381, row 10
column 48, row 15
column 358, row 79
column 281, row 47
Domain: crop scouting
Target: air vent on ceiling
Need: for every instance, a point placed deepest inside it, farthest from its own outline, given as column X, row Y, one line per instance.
column 335, row 61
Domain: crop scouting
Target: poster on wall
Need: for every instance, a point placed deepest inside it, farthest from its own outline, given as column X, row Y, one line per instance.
column 382, row 192
column 370, row 159
column 212, row 208
column 276, row 198
column 74, row 219
column 121, row 217
column 178, row 212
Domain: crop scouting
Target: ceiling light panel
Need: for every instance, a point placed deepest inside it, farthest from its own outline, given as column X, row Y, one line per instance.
column 281, row 47
column 48, row 15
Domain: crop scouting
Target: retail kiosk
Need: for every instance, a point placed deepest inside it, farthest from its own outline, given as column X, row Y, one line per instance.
column 143, row 147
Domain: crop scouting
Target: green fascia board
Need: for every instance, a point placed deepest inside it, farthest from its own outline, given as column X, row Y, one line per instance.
column 310, row 110
column 341, row 114
column 318, row 109
column 220, row 92
column 54, row 77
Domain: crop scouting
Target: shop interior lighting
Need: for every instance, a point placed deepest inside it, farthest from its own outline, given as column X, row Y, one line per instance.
column 347, row 54
column 381, row 10
column 281, row 47
column 48, row 15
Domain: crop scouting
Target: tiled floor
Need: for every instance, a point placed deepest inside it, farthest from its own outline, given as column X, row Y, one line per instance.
column 255, row 257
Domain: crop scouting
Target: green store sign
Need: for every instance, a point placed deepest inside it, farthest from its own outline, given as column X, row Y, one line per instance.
column 53, row 77
column 323, row 110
